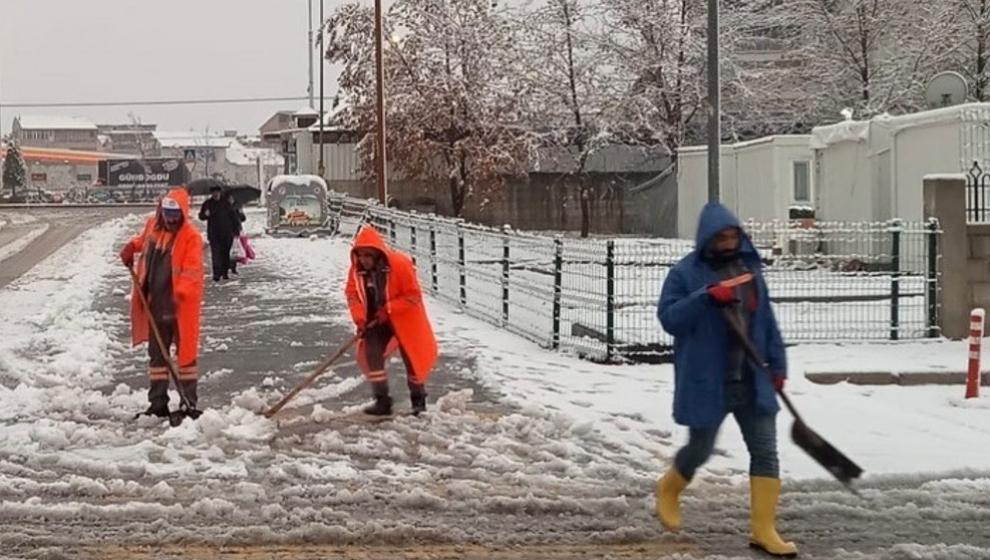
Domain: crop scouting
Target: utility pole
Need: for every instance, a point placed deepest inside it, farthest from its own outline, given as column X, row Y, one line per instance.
column 380, row 151
column 714, row 105
column 322, row 168
column 309, row 49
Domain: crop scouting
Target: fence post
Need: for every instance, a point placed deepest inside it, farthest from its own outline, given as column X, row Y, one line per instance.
column 462, row 261
column 610, row 300
column 558, row 276
column 932, row 280
column 433, row 258
column 505, row 276
column 895, row 278
column 976, row 319
column 973, row 206
column 412, row 242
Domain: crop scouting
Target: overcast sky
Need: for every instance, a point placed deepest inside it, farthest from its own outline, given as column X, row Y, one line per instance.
column 127, row 50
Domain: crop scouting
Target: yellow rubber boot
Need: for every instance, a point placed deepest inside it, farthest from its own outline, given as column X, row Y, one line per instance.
column 764, row 493
column 668, row 497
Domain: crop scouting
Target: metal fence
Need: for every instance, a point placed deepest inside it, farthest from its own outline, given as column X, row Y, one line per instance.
column 977, row 195
column 598, row 297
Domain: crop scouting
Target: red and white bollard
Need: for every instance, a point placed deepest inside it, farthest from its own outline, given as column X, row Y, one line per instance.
column 976, row 318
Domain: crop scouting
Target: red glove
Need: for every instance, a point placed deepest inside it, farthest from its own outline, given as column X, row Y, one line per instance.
column 127, row 255
column 778, row 382
column 722, row 295
column 380, row 318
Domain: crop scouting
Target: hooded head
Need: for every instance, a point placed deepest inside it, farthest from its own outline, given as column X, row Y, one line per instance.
column 721, row 237
column 215, row 192
column 174, row 207
column 369, row 250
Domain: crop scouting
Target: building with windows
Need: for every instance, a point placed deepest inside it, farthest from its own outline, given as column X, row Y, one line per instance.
column 874, row 169
column 764, row 179
column 224, row 156
column 67, row 133
column 135, row 139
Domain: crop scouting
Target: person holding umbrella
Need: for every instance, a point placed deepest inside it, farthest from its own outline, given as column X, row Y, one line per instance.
column 223, row 225
column 720, row 281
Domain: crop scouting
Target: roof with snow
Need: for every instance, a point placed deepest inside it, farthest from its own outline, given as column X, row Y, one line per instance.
column 238, row 154
column 301, row 180
column 331, row 120
column 306, row 111
column 52, row 122
column 784, row 140
column 192, row 139
column 859, row 131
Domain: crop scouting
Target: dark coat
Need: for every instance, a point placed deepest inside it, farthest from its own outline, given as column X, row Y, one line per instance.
column 223, row 220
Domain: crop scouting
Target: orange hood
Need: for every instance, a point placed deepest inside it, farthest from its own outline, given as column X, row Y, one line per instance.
column 368, row 238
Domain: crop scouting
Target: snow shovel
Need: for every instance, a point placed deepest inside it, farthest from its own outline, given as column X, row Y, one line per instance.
column 320, row 370
column 834, row 461
column 185, row 407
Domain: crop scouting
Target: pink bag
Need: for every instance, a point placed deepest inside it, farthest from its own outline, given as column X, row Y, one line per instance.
column 248, row 252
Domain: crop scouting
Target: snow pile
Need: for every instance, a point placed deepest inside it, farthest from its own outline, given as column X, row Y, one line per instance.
column 50, row 337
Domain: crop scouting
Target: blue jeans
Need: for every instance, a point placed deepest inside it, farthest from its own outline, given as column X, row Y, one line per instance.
column 758, row 430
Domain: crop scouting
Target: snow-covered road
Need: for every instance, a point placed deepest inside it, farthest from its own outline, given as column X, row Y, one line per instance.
column 523, row 454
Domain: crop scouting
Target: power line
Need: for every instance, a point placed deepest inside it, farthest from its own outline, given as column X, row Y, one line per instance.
column 148, row 103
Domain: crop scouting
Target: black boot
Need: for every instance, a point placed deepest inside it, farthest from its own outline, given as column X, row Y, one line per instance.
column 189, row 388
column 381, row 407
column 160, row 411
column 383, row 403
column 158, row 399
column 417, row 396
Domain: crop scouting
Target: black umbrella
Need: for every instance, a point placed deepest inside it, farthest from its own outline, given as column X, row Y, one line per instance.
column 242, row 194
column 201, row 187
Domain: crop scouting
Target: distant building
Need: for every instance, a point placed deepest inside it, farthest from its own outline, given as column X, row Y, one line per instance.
column 135, row 139
column 55, row 170
column 70, row 133
column 222, row 156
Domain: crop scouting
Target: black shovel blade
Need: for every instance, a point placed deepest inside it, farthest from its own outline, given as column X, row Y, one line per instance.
column 841, row 467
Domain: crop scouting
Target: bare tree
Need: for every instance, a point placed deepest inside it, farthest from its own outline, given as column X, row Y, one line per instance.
column 870, row 55
column 969, row 37
column 453, row 106
column 573, row 101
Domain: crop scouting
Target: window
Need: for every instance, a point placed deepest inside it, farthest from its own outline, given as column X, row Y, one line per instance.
column 39, row 177
column 84, row 177
column 801, row 173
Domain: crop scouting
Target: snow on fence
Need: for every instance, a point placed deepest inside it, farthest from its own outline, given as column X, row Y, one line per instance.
column 598, row 297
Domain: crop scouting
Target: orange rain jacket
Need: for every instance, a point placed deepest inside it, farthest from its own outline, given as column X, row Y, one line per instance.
column 187, row 279
column 404, row 302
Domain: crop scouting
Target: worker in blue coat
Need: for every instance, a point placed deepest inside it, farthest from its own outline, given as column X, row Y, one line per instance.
column 712, row 375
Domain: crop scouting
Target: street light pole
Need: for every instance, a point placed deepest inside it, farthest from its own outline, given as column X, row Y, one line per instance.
column 322, row 168
column 380, row 151
column 309, row 48
column 714, row 105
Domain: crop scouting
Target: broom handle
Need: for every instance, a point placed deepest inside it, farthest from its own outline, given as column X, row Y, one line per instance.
column 173, row 371
column 754, row 355
column 323, row 367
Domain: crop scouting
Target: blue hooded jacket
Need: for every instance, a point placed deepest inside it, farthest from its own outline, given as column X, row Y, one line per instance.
column 702, row 336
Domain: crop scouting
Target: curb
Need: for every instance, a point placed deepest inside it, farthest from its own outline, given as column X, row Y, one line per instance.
column 904, row 379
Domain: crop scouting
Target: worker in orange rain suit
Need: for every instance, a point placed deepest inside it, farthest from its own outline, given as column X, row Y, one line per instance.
column 170, row 272
column 386, row 303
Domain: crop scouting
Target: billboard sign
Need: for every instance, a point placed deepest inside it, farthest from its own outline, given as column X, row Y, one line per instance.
column 150, row 173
